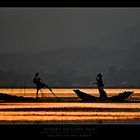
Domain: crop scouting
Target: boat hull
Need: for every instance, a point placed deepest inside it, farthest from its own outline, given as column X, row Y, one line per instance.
column 82, row 95
column 119, row 98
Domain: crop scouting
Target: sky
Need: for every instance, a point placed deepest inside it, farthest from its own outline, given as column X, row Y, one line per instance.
column 77, row 41
column 36, row 29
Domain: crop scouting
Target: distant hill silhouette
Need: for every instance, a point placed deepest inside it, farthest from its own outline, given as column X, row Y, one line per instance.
column 115, row 55
column 74, row 64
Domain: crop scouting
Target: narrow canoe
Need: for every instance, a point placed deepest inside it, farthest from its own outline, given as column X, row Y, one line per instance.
column 87, row 97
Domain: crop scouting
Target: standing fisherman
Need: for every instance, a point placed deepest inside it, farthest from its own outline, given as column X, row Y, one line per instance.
column 100, row 86
column 39, row 84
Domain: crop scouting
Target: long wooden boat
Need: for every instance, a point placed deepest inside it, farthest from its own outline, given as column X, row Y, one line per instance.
column 7, row 97
column 82, row 95
column 119, row 98
column 4, row 97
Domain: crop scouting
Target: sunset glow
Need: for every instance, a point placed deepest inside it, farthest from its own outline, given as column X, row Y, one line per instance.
column 68, row 111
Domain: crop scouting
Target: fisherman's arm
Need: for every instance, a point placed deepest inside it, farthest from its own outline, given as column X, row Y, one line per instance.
column 93, row 83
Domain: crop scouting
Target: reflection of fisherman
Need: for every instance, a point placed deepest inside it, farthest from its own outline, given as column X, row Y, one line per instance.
column 39, row 83
column 100, row 86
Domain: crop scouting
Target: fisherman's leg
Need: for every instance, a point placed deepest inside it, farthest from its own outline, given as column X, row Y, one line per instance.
column 41, row 92
column 37, row 93
column 102, row 94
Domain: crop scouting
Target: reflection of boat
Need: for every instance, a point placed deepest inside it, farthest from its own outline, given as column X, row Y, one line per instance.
column 87, row 97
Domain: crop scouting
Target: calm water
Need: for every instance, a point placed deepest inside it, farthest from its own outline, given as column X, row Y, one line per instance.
column 69, row 111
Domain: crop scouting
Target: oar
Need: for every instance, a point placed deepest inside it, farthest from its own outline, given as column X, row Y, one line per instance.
column 49, row 88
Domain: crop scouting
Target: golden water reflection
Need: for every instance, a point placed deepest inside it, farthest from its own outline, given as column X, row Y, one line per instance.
column 63, row 92
column 66, row 112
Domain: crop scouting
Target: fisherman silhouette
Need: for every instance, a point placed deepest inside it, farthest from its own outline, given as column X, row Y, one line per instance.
column 39, row 83
column 100, row 86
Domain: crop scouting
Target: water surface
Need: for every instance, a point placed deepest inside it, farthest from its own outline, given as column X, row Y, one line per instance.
column 69, row 111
